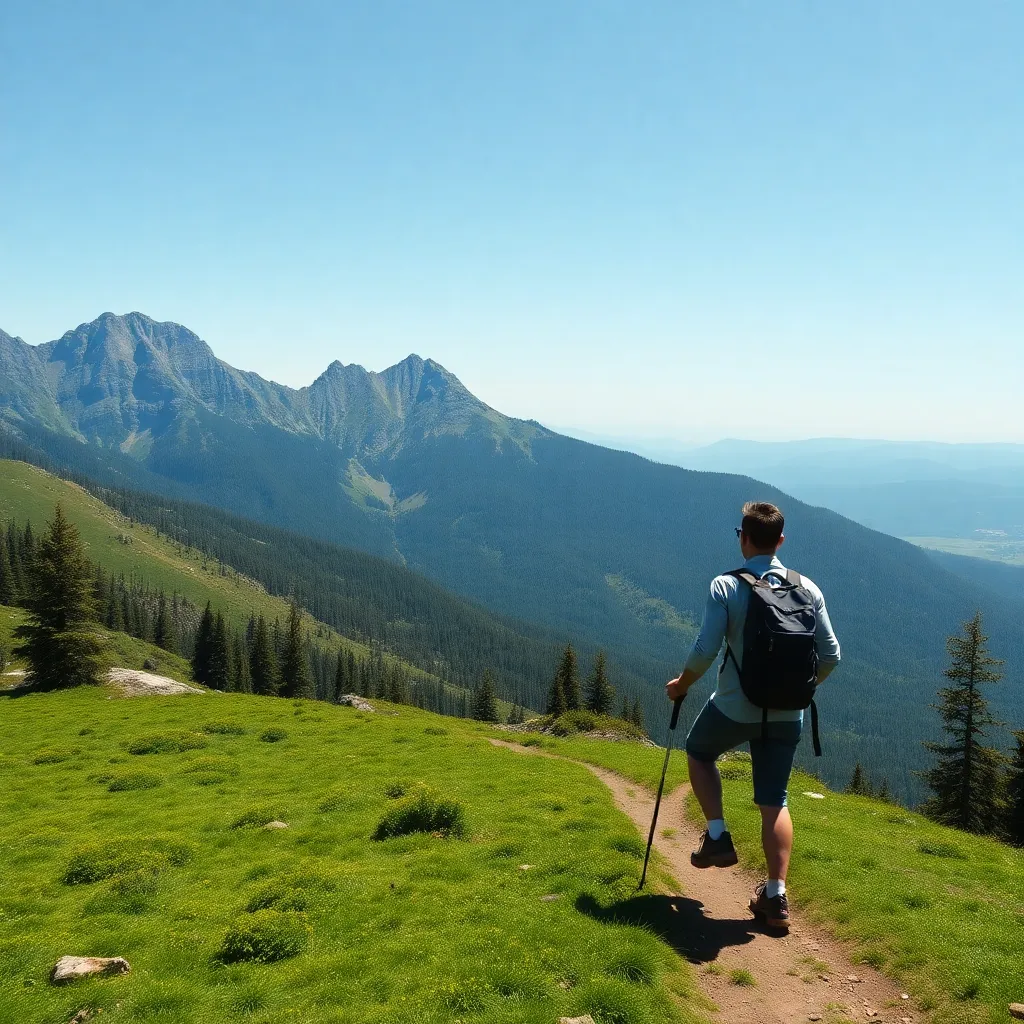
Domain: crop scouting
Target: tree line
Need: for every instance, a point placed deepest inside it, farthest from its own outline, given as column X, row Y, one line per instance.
column 66, row 596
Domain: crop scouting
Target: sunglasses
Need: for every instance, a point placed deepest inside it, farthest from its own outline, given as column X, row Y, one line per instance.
column 739, row 531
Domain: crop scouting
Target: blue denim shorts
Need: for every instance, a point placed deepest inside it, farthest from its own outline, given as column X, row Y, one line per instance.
column 772, row 749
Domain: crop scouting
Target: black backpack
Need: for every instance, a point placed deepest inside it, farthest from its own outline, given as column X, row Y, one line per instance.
column 780, row 660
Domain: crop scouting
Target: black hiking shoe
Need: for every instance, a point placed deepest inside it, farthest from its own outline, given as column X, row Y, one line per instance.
column 774, row 912
column 714, row 853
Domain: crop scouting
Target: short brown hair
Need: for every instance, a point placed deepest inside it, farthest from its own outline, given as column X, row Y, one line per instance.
column 763, row 523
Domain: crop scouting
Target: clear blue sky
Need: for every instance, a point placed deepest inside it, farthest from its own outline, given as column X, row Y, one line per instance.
column 602, row 214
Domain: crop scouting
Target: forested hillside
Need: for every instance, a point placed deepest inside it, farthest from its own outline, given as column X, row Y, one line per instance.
column 600, row 546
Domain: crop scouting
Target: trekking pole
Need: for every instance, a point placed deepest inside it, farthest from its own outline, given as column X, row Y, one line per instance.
column 661, row 785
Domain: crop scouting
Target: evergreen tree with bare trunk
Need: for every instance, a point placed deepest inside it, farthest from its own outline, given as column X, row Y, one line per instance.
column 59, row 641
column 296, row 680
column 966, row 779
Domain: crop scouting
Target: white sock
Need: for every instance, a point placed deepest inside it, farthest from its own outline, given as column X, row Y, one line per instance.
column 716, row 828
column 774, row 887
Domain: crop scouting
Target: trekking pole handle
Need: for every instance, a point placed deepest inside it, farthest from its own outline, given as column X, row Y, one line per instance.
column 676, row 707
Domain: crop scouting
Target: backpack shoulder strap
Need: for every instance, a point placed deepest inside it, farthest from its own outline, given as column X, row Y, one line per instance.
column 794, row 578
column 743, row 574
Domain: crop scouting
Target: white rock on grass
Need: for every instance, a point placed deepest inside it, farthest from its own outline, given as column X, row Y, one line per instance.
column 352, row 700
column 814, row 796
column 133, row 683
column 1017, row 1010
column 70, row 968
column 276, row 824
column 585, row 1019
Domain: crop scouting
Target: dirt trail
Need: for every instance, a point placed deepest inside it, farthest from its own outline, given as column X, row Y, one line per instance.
column 803, row 976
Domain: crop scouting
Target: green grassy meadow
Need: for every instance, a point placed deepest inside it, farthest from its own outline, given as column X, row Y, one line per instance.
column 160, row 857
column 940, row 910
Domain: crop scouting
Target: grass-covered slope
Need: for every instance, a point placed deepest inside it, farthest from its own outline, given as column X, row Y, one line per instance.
column 941, row 910
column 160, row 856
column 134, row 549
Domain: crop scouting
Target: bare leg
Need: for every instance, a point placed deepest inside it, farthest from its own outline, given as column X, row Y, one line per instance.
column 707, row 787
column 777, row 839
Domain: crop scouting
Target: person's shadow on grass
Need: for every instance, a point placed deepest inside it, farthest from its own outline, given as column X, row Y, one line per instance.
column 678, row 920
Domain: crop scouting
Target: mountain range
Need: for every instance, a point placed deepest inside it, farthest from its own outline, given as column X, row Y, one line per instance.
column 603, row 546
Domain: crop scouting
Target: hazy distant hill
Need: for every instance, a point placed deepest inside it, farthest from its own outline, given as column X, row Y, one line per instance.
column 603, row 544
column 908, row 489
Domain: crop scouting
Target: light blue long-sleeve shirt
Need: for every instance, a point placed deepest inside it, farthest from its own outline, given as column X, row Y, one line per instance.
column 724, row 616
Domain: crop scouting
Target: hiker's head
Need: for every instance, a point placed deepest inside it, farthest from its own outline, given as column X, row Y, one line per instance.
column 761, row 529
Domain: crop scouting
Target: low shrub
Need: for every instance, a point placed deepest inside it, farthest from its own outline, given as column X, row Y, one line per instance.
column 107, row 860
column 395, row 790
column 166, row 743
column 257, row 817
column 637, row 965
column 223, row 729
column 336, row 801
column 612, row 1001
column 295, row 891
column 935, row 848
column 742, row 977
column 265, row 937
column 54, row 755
column 274, row 734
column 423, row 811
column 574, row 722
column 128, row 781
column 435, row 730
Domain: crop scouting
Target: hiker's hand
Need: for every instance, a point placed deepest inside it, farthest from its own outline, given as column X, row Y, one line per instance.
column 675, row 688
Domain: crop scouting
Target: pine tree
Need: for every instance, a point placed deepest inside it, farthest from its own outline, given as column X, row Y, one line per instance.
column 164, row 634
column 220, row 657
column 556, row 697
column 485, row 700
column 8, row 590
column 638, row 715
column 884, row 793
column 58, row 640
column 240, row 665
column 569, row 670
column 262, row 661
column 600, row 692
column 859, row 784
column 1013, row 819
column 966, row 780
column 296, row 680
column 203, row 647
column 341, row 677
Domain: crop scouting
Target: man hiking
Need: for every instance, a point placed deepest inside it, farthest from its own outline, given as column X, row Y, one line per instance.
column 774, row 620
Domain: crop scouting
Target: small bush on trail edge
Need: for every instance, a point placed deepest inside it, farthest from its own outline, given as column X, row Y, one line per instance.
column 223, row 729
column 274, row 735
column 573, row 722
column 54, row 755
column 394, row 790
column 257, row 817
column 128, row 781
column 423, row 811
column 435, row 730
column 612, row 1001
column 742, row 977
column 166, row 743
column 106, row 860
column 637, row 965
column 264, row 937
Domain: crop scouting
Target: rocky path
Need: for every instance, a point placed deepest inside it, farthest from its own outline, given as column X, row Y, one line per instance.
column 803, row 976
